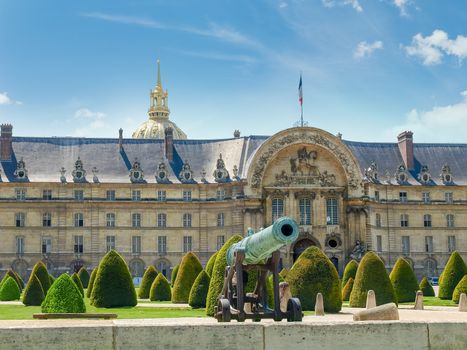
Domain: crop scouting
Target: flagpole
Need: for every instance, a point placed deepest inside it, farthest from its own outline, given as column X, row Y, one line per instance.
column 301, row 114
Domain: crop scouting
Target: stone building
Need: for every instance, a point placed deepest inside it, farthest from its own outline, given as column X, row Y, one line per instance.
column 158, row 195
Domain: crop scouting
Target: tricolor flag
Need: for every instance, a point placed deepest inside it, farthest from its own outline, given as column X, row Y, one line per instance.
column 300, row 91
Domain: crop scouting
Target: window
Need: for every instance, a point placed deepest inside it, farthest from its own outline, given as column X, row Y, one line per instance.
column 220, row 220
column 186, row 220
column 136, row 244
column 162, row 244
column 450, row 220
column 220, row 194
column 332, row 215
column 427, row 220
column 403, row 197
column 187, row 196
column 78, row 246
column 79, row 195
column 46, row 245
column 448, row 197
column 426, row 197
column 136, row 220
column 404, row 220
column 110, row 218
column 79, row 220
column 161, row 196
column 47, row 195
column 109, row 243
column 110, row 195
column 379, row 243
column 46, row 220
column 305, row 211
column 220, row 242
column 277, row 208
column 377, row 196
column 19, row 245
column 20, row 194
column 451, row 243
column 187, row 244
column 161, row 220
column 20, row 219
column 405, row 245
column 429, row 244
column 378, row 220
column 136, row 195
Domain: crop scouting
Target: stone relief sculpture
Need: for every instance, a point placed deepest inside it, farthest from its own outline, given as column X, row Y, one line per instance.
column 221, row 174
column 424, row 175
column 162, row 173
column 401, row 174
column 446, row 175
column 186, row 175
column 372, row 172
column 62, row 175
column 358, row 251
column 21, row 173
column 78, row 173
column 136, row 173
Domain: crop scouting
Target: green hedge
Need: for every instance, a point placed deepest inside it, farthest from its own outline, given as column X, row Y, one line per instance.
column 41, row 272
column 83, row 275
column 426, row 288
column 404, row 281
column 372, row 275
column 453, row 272
column 199, row 291
column 189, row 269
column 33, row 293
column 160, row 289
column 148, row 278
column 63, row 297
column 460, row 288
column 13, row 275
column 349, row 271
column 347, row 289
column 75, row 278
column 91, row 282
column 210, row 264
column 173, row 278
column 113, row 286
column 9, row 290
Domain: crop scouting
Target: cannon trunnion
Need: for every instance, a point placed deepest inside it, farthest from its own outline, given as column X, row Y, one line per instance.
column 257, row 252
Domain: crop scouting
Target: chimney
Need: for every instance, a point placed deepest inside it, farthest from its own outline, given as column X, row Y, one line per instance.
column 169, row 144
column 5, row 141
column 405, row 140
column 120, row 139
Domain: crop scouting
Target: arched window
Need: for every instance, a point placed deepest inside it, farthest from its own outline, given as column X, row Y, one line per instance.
column 137, row 268
column 277, row 208
column 305, row 211
column 164, row 267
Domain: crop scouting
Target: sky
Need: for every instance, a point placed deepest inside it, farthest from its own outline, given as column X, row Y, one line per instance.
column 370, row 68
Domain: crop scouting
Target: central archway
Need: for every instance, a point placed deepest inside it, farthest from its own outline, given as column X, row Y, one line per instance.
column 300, row 246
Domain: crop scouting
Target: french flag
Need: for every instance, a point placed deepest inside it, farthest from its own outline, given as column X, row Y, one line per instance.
column 300, row 91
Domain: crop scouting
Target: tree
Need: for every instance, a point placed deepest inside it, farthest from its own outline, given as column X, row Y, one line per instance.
column 426, row 288
column 63, row 297
column 453, row 272
column 210, row 264
column 347, row 289
column 148, row 278
column 78, row 283
column 349, row 271
column 199, row 291
column 189, row 269
column 40, row 271
column 9, row 290
column 460, row 288
column 83, row 275
column 404, row 281
column 91, row 282
column 33, row 293
column 160, row 289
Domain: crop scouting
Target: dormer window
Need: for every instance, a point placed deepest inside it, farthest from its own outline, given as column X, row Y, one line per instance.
column 446, row 175
column 424, row 176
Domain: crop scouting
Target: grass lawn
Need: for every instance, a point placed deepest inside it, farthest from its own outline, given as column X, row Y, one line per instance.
column 427, row 301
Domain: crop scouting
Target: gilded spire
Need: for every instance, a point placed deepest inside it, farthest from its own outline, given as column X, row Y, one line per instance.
column 158, row 108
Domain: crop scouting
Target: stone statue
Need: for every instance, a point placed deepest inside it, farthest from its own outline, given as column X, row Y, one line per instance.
column 358, row 251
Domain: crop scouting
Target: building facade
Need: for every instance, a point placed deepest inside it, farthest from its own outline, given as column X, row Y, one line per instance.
column 158, row 195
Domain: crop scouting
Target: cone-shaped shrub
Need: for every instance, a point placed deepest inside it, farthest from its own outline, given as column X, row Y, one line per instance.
column 347, row 289
column 19, row 279
column 426, row 288
column 210, row 264
column 404, row 281
column 460, row 288
column 349, row 271
column 189, row 269
column 160, row 289
column 63, row 297
column 78, row 283
column 113, row 286
column 33, row 293
column 13, row 275
column 453, row 272
column 149, row 276
column 91, row 282
column 41, row 272
column 9, row 290
column 83, row 275
column 372, row 275
column 314, row 273
column 217, row 276
column 174, row 275
column 199, row 291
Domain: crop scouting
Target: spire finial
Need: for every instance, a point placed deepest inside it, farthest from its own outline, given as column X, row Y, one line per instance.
column 159, row 73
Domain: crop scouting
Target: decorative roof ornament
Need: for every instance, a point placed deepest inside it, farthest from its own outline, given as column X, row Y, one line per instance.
column 62, row 175
column 203, row 175
column 372, row 172
column 21, row 173
column 446, row 175
column 221, row 174
column 186, row 175
column 136, row 173
column 235, row 173
column 162, row 174
column 79, row 174
column 424, row 176
column 95, row 171
column 401, row 175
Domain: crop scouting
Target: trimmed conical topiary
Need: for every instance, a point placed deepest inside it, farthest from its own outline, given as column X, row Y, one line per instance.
column 91, row 282
column 12, row 274
column 347, row 289
column 189, row 269
column 113, row 286
column 210, row 264
column 145, row 287
column 19, row 279
column 41, row 272
column 314, row 273
column 83, row 275
column 453, row 272
column 174, row 275
column 9, row 290
column 78, row 283
column 33, row 293
column 217, row 276
column 372, row 275
column 160, row 289
column 199, row 291
column 460, row 288
column 404, row 281
column 349, row 271
column 426, row 288
column 63, row 297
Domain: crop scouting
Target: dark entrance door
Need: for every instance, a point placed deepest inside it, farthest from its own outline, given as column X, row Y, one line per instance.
column 300, row 247
column 335, row 262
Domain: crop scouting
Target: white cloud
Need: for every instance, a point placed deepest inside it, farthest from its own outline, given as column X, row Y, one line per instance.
column 402, row 5
column 94, row 121
column 431, row 49
column 354, row 3
column 365, row 49
column 4, row 99
column 87, row 113
column 283, row 4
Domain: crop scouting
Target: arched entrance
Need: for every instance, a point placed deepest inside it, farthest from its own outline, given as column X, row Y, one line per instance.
column 136, row 268
column 300, row 247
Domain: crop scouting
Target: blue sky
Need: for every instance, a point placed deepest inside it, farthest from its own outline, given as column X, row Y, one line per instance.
column 371, row 68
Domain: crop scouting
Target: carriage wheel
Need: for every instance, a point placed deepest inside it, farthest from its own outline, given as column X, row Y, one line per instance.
column 223, row 311
column 294, row 310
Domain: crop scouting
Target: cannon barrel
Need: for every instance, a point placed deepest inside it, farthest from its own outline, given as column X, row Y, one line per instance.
column 259, row 246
